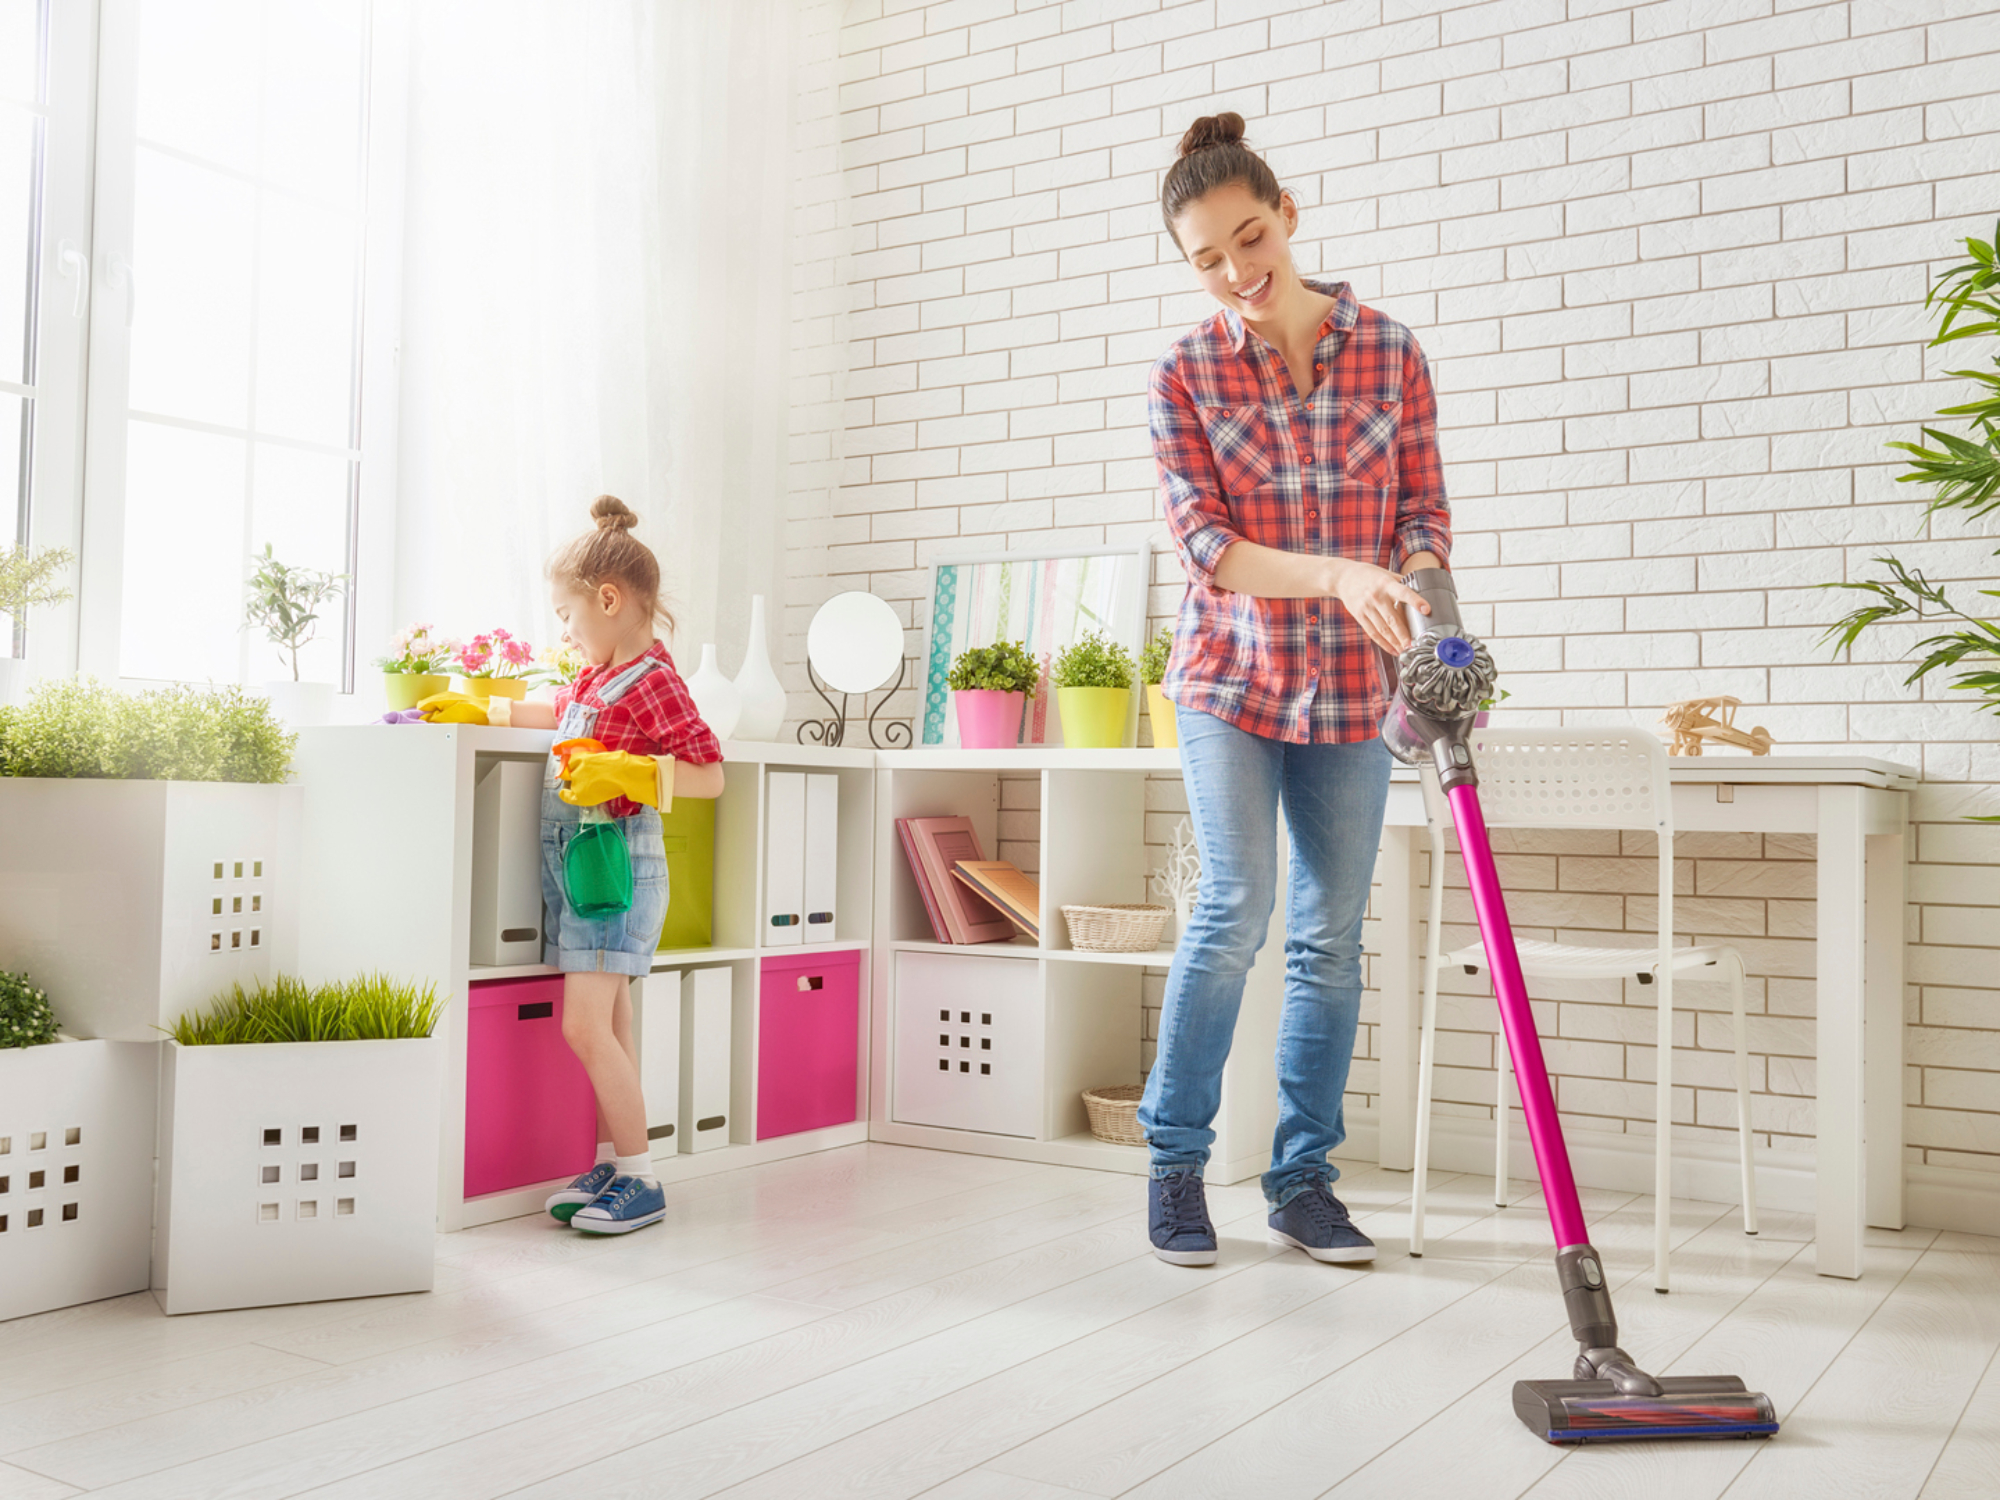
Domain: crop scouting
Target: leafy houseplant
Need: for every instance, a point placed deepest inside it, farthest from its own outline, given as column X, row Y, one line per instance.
column 558, row 666
column 1152, row 672
column 89, row 731
column 990, row 687
column 1964, row 474
column 496, row 663
column 410, row 672
column 1093, row 678
column 285, row 602
column 26, row 579
column 26, row 1018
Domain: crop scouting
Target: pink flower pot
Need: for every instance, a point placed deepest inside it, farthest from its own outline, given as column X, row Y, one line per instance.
column 988, row 719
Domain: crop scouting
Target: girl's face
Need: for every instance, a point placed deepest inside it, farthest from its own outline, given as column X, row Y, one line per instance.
column 1242, row 250
column 597, row 621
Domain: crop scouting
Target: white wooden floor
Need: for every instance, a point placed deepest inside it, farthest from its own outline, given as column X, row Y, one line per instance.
column 886, row 1322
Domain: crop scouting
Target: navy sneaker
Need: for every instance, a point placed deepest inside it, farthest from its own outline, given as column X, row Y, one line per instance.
column 626, row 1205
column 1316, row 1222
column 1177, row 1218
column 562, row 1206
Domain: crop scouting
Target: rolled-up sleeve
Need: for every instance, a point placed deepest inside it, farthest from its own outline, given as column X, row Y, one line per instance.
column 1423, row 515
column 1191, row 491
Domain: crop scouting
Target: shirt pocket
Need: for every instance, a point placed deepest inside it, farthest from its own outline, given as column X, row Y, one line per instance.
column 1368, row 433
column 1240, row 440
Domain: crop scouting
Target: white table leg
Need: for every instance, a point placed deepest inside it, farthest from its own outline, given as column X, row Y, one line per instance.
column 1395, row 976
column 1841, row 959
column 1883, row 1060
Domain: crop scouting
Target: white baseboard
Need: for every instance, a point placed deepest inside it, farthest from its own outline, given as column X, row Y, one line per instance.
column 1934, row 1197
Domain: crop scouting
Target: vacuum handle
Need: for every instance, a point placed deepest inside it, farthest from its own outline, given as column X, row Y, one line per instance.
column 1441, row 594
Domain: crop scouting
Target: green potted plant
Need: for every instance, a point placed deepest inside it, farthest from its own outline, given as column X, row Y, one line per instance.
column 26, row 579
column 1093, row 680
column 495, row 665
column 1487, row 705
column 284, row 602
column 990, row 687
column 76, row 1219
column 410, row 670
column 1152, row 672
column 299, row 1145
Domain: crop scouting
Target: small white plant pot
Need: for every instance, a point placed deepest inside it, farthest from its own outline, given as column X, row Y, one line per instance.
column 302, row 705
column 76, row 1157
column 296, row 1172
column 132, row 902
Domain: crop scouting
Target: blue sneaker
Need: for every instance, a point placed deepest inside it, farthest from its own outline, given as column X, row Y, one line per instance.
column 1177, row 1219
column 626, row 1205
column 1316, row 1222
column 580, row 1194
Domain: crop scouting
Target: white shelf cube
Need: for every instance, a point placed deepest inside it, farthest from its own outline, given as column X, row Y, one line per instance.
column 969, row 1035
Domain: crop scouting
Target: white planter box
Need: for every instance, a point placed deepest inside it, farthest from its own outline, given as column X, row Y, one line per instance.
column 296, row 1172
column 131, row 902
column 77, row 1118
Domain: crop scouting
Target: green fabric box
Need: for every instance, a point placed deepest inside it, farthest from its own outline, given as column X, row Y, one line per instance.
column 689, row 831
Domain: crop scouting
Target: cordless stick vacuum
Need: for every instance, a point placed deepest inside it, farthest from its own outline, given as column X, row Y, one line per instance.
column 1443, row 675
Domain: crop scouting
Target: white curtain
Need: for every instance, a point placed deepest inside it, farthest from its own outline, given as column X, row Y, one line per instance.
column 596, row 299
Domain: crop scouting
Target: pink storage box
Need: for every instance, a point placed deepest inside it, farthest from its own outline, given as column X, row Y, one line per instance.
column 530, row 1114
column 808, row 1042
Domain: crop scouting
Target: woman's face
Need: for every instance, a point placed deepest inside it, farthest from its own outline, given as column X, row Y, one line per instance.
column 1241, row 249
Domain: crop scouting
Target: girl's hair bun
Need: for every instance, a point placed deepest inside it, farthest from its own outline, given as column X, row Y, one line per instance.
column 1225, row 129
column 612, row 514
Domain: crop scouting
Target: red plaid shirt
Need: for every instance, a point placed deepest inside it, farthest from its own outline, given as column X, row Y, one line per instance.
column 654, row 717
column 1351, row 471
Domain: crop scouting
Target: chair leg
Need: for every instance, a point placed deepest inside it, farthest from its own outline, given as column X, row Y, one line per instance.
column 1743, row 1142
column 1663, row 1130
column 1505, row 1071
column 1427, row 1046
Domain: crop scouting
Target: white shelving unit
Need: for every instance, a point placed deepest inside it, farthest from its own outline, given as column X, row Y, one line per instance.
column 1081, row 1010
column 387, row 865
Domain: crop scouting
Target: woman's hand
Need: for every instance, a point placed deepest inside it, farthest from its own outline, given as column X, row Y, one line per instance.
column 1374, row 597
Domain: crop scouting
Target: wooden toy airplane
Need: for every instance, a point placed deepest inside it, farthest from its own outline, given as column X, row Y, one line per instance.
column 1696, row 721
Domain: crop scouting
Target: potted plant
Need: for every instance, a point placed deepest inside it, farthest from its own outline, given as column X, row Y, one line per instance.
column 1152, row 672
column 1093, row 680
column 990, row 686
column 410, row 670
column 149, row 846
column 557, row 666
column 26, row 579
column 76, row 1159
column 284, row 602
column 1487, row 705
column 495, row 665
column 298, row 1146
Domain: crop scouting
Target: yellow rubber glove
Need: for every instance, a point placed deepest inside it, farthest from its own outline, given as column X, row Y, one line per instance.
column 596, row 777
column 452, row 708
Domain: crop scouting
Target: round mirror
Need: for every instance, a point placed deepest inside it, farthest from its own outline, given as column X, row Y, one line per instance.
column 855, row 642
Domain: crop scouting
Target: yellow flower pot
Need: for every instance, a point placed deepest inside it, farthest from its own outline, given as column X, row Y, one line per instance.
column 495, row 687
column 1160, row 710
column 408, row 689
column 1093, row 718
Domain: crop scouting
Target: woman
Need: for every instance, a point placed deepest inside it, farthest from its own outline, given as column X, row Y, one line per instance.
column 1295, row 437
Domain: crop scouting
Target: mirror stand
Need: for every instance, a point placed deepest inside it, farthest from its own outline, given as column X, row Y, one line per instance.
column 833, row 730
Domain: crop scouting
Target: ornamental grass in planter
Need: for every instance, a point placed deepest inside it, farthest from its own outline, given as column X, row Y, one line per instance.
column 299, row 1145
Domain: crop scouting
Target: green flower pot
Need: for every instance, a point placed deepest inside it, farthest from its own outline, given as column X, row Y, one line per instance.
column 408, row 689
column 1093, row 718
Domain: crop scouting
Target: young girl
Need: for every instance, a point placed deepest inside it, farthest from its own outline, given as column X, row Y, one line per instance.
column 605, row 586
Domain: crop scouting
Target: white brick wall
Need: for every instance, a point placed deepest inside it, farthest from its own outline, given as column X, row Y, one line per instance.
column 1668, row 261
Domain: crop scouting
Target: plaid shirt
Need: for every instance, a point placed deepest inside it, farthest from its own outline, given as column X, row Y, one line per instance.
column 1350, row 471
column 654, row 716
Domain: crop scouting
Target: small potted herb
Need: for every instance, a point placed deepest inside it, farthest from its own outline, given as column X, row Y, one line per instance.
column 410, row 671
column 26, row 579
column 1487, row 705
column 1093, row 680
column 495, row 665
column 1152, row 672
column 284, row 602
column 990, row 686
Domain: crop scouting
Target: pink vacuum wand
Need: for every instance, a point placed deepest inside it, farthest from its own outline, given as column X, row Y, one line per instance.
column 1442, row 677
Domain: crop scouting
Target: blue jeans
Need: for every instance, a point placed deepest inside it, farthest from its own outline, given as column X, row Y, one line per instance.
column 1333, row 797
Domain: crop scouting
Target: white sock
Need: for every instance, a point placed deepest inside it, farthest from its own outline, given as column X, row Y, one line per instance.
column 639, row 1166
column 606, row 1151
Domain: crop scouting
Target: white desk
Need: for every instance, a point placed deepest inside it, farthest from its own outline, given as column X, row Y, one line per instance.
column 1858, row 809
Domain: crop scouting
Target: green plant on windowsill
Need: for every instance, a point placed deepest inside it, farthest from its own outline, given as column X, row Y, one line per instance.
column 1093, row 661
column 87, row 730
column 29, row 578
column 1003, row 667
column 26, row 1018
column 1964, row 474
column 370, row 1008
column 284, row 603
column 1153, row 658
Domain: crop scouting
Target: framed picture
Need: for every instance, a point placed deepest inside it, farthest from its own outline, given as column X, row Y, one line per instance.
column 1046, row 600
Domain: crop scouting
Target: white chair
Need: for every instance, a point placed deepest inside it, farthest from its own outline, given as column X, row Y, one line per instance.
column 1608, row 777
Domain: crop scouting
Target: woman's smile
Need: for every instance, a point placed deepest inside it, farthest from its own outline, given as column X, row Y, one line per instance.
column 1257, row 292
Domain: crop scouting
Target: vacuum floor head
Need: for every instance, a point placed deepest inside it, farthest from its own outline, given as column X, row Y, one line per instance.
column 1688, row 1406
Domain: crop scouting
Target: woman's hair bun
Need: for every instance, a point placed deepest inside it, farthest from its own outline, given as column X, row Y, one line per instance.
column 612, row 514
column 1225, row 129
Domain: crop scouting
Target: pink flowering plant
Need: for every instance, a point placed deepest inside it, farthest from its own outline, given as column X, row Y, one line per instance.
column 417, row 650
column 495, row 654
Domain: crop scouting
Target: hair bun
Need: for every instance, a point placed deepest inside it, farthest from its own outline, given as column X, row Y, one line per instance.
column 1225, row 129
column 612, row 514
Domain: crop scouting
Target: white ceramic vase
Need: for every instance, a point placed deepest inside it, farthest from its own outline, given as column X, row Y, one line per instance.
column 715, row 696
column 757, row 686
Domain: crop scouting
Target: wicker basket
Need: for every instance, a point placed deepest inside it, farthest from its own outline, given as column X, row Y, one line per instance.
column 1114, row 1113
column 1115, row 929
